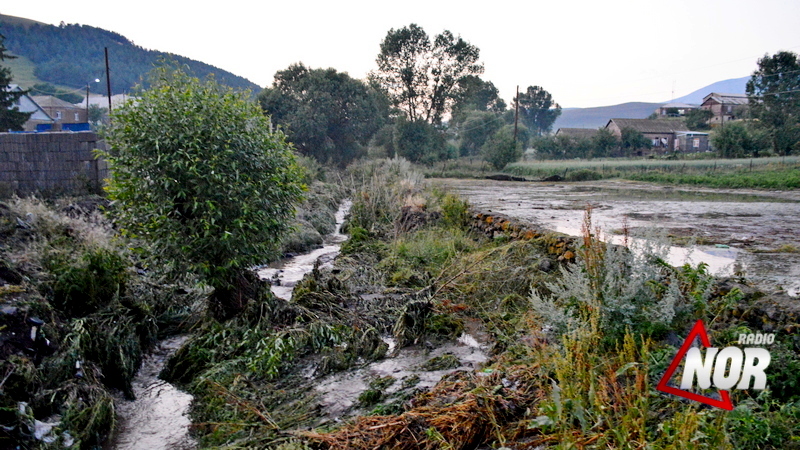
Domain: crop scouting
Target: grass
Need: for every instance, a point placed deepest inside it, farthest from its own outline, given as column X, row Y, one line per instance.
column 22, row 72
column 769, row 173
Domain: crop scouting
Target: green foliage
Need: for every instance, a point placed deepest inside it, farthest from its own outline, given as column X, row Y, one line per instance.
column 633, row 141
column 84, row 284
column 201, row 178
column 476, row 128
column 733, row 140
column 537, row 110
column 73, row 55
column 10, row 116
column 501, row 148
column 697, row 119
column 418, row 141
column 49, row 89
column 421, row 77
column 763, row 423
column 326, row 114
column 774, row 93
column 474, row 94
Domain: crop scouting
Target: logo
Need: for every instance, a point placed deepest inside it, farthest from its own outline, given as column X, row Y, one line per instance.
column 724, row 369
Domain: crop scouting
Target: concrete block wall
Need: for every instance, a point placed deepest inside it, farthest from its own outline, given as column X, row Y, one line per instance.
column 50, row 163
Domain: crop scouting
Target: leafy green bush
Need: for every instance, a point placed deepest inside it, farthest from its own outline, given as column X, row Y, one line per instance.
column 200, row 176
column 84, row 285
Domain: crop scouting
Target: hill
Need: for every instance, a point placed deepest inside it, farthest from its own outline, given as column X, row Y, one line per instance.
column 732, row 86
column 72, row 55
column 599, row 116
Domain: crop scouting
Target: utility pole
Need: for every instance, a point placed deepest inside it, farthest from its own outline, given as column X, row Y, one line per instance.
column 87, row 102
column 108, row 83
column 516, row 114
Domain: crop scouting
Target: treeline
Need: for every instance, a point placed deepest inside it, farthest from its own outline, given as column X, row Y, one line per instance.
column 425, row 102
column 73, row 55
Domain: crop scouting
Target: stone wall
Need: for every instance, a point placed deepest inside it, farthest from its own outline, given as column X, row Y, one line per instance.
column 50, row 163
column 497, row 225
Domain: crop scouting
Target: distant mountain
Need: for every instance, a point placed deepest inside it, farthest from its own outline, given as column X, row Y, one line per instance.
column 732, row 86
column 599, row 116
column 73, row 56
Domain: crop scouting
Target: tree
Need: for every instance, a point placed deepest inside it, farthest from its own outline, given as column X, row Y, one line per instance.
column 476, row 129
column 420, row 77
column 733, row 141
column 632, row 141
column 537, row 109
column 774, row 96
column 199, row 175
column 11, row 118
column 604, row 143
column 697, row 119
column 474, row 94
column 49, row 89
column 501, row 148
column 418, row 141
column 326, row 114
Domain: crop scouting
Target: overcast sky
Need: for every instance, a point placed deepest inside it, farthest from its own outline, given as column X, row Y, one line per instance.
column 585, row 53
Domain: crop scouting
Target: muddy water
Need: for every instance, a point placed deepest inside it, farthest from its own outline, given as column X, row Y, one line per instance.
column 738, row 230
column 339, row 392
column 157, row 419
column 286, row 273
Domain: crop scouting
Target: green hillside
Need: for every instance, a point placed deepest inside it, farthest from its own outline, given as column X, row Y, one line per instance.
column 72, row 55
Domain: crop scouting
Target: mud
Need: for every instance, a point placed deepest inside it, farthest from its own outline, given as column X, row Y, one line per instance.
column 737, row 232
column 158, row 418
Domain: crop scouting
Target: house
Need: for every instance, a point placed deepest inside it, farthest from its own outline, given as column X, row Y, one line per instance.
column 691, row 142
column 675, row 109
column 62, row 112
column 725, row 107
column 661, row 132
column 28, row 105
column 577, row 133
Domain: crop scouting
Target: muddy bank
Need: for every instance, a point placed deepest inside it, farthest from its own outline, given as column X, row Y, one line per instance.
column 746, row 232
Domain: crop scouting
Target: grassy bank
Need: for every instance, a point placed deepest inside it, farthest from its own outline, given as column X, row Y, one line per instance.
column 768, row 173
column 76, row 319
column 765, row 173
column 577, row 348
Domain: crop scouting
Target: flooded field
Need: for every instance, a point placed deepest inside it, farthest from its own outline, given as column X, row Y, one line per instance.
column 746, row 231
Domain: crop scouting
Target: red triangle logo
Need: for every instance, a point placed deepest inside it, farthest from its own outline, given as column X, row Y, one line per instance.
column 699, row 330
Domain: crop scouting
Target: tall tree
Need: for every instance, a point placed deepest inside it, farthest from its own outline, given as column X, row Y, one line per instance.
column 774, row 94
column 475, row 94
column 538, row 110
column 10, row 116
column 327, row 114
column 421, row 77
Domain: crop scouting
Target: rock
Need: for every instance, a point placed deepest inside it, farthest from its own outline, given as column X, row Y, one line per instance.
column 504, row 177
column 553, row 178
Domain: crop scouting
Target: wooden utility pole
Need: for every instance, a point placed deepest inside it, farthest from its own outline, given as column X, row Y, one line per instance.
column 516, row 113
column 108, row 83
column 87, row 102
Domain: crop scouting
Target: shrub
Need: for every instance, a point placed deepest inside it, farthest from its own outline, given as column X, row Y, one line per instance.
column 199, row 174
column 501, row 148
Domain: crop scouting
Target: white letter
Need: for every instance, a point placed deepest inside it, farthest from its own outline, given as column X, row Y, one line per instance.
column 750, row 339
column 742, row 339
column 770, row 339
column 695, row 365
column 759, row 339
column 753, row 370
column 734, row 355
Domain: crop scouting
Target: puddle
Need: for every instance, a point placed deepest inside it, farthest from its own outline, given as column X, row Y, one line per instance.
column 339, row 392
column 286, row 273
column 730, row 222
column 157, row 419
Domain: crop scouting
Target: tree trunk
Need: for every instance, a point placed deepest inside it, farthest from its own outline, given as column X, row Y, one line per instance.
column 230, row 300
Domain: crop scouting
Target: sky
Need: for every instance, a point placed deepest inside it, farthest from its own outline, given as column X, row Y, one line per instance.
column 585, row 53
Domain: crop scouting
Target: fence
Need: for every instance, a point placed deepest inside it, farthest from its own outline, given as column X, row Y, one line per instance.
column 50, row 163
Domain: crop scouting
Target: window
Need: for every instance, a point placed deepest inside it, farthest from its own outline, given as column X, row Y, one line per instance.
column 77, row 117
column 58, row 115
column 696, row 143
